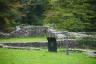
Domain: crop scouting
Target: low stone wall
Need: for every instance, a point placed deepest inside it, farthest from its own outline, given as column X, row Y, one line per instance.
column 26, row 31
column 39, row 44
column 30, row 44
column 60, row 44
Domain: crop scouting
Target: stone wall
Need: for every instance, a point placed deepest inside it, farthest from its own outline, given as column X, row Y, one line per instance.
column 26, row 31
column 61, row 44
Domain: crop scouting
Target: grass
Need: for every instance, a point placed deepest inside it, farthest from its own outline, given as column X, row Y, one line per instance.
column 9, row 56
column 29, row 39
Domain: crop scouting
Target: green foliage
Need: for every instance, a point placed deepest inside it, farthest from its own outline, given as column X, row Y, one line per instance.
column 8, row 13
column 33, row 11
column 72, row 15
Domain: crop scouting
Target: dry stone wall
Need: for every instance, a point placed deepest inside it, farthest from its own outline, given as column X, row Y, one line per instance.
column 26, row 31
column 60, row 44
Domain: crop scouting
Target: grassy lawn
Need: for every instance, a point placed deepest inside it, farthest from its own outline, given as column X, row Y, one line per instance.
column 9, row 56
column 30, row 39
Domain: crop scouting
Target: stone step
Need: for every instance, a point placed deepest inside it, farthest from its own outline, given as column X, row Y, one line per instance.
column 25, row 48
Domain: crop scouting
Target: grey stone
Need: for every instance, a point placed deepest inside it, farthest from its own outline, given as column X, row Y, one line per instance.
column 26, row 31
column 1, row 45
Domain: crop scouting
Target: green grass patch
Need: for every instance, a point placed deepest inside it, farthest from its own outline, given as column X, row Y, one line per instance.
column 9, row 56
column 30, row 39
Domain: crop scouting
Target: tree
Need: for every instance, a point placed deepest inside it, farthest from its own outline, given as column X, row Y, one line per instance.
column 33, row 11
column 8, row 13
column 72, row 15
